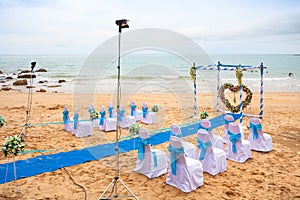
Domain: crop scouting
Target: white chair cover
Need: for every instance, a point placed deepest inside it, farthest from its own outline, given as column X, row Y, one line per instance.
column 81, row 129
column 150, row 162
column 216, row 139
column 134, row 112
column 95, row 123
column 124, row 120
column 184, row 173
column 110, row 124
column 68, row 125
column 189, row 148
column 213, row 159
column 237, row 149
column 259, row 141
column 148, row 117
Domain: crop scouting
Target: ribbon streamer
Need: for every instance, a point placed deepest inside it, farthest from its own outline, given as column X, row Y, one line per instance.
column 174, row 153
column 203, row 147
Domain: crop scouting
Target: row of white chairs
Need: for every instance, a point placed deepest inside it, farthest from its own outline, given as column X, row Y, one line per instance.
column 186, row 167
column 106, row 122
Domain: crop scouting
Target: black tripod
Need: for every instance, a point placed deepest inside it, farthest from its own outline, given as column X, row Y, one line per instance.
column 29, row 101
column 114, row 183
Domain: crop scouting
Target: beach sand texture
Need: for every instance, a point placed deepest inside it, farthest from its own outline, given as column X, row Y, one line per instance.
column 273, row 175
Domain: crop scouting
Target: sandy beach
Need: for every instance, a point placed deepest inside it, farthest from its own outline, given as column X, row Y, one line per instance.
column 273, row 175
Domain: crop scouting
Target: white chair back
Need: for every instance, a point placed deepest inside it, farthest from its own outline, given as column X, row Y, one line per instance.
column 256, row 121
column 204, row 136
column 176, row 142
column 235, row 129
column 176, row 130
column 205, row 123
column 144, row 133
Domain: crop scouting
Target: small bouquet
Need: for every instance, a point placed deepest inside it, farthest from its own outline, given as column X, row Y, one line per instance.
column 155, row 108
column 204, row 115
column 94, row 114
column 135, row 128
column 2, row 121
column 13, row 145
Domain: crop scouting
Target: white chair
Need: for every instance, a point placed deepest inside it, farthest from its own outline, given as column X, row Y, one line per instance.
column 216, row 139
column 81, row 129
column 134, row 112
column 68, row 125
column 95, row 122
column 213, row 159
column 151, row 162
column 184, row 173
column 110, row 124
column 124, row 120
column 259, row 141
column 189, row 148
column 237, row 149
column 148, row 117
column 102, row 118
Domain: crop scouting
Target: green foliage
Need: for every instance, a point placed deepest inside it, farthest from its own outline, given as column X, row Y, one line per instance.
column 13, row 145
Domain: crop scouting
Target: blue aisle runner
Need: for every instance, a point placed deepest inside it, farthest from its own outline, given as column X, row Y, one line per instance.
column 52, row 162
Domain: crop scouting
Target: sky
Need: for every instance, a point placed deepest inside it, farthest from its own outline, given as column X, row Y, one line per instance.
column 68, row 27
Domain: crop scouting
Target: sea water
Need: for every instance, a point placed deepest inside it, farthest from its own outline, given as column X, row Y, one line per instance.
column 158, row 72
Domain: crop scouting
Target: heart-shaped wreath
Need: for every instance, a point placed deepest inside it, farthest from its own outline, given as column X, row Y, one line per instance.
column 231, row 87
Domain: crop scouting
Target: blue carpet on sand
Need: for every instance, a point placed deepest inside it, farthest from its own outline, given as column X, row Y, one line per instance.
column 52, row 162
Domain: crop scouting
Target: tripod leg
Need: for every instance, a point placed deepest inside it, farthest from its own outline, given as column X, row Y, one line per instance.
column 133, row 195
column 110, row 184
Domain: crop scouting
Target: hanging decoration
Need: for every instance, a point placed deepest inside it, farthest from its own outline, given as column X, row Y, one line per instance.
column 193, row 72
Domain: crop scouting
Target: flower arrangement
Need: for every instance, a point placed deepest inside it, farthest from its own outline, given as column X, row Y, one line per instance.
column 135, row 128
column 231, row 87
column 155, row 108
column 204, row 115
column 193, row 72
column 13, row 145
column 2, row 121
column 239, row 75
column 93, row 114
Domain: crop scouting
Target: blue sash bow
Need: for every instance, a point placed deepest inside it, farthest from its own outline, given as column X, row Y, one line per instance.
column 203, row 147
column 102, row 115
column 65, row 116
column 145, row 111
column 228, row 121
column 174, row 152
column 132, row 109
column 141, row 147
column 201, row 127
column 120, row 116
column 75, row 120
column 110, row 109
column 255, row 128
column 233, row 139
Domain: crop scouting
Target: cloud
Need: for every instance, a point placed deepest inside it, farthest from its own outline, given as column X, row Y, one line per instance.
column 67, row 26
